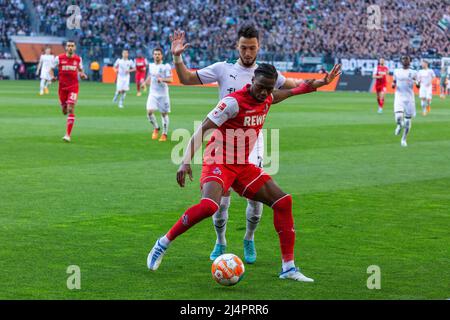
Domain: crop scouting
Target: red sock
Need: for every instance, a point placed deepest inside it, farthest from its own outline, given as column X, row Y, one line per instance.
column 138, row 87
column 284, row 225
column 206, row 208
column 381, row 103
column 70, row 122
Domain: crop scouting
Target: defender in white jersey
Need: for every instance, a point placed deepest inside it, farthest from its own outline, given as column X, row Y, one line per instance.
column 159, row 75
column 231, row 77
column 123, row 68
column 46, row 62
column 404, row 102
column 425, row 78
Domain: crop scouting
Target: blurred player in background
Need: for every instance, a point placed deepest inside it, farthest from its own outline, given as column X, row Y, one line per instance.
column 159, row 75
column 425, row 78
column 141, row 64
column 231, row 77
column 379, row 74
column 69, row 67
column 123, row 68
column 404, row 101
column 443, row 82
column 45, row 65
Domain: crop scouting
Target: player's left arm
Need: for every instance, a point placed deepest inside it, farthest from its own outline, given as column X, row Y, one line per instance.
column 329, row 77
column 81, row 70
column 306, row 86
column 195, row 143
column 167, row 76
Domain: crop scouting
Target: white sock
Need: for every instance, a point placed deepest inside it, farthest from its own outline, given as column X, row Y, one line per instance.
column 152, row 119
column 220, row 219
column 408, row 123
column 399, row 118
column 165, row 123
column 253, row 214
column 424, row 105
column 116, row 95
column 165, row 241
column 42, row 85
column 288, row 265
column 47, row 83
column 122, row 97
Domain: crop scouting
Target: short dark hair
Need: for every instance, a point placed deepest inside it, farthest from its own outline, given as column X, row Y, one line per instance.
column 70, row 40
column 266, row 70
column 248, row 31
column 158, row 49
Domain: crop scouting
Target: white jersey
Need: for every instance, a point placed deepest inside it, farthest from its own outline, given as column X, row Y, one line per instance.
column 156, row 71
column 47, row 62
column 231, row 77
column 425, row 77
column 405, row 79
column 123, row 66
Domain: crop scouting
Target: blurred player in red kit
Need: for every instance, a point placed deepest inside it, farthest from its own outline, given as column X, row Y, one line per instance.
column 141, row 64
column 379, row 74
column 69, row 66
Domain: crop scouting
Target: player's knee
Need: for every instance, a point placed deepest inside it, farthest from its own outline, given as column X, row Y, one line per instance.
column 209, row 207
column 254, row 211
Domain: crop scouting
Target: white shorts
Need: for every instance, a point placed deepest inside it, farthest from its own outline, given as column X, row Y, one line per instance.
column 46, row 76
column 407, row 106
column 123, row 84
column 426, row 92
column 257, row 154
column 161, row 103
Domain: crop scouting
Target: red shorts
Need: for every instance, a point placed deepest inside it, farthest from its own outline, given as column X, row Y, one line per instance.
column 380, row 89
column 245, row 179
column 68, row 96
column 140, row 77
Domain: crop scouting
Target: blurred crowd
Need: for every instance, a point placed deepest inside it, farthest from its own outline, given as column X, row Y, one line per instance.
column 309, row 27
column 13, row 21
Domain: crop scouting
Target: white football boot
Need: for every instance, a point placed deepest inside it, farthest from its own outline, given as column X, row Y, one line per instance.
column 403, row 143
column 66, row 138
column 155, row 256
column 295, row 274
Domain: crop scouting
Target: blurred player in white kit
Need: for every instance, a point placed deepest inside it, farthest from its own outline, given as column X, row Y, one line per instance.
column 46, row 62
column 159, row 75
column 123, row 68
column 404, row 102
column 425, row 78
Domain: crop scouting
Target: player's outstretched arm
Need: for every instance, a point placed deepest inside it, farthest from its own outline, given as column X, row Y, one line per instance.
column 178, row 46
column 194, row 144
column 303, row 88
column 329, row 77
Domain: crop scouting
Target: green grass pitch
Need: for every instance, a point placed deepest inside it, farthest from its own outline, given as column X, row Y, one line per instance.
column 101, row 201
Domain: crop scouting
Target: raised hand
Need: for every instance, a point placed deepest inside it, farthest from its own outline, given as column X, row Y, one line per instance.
column 178, row 46
column 336, row 71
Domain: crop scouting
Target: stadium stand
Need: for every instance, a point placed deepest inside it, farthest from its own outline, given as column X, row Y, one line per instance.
column 290, row 29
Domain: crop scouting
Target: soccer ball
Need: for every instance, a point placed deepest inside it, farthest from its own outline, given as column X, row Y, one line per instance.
column 228, row 269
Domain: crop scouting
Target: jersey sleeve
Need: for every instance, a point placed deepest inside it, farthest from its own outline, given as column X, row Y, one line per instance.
column 116, row 64
column 280, row 80
column 56, row 62
column 168, row 73
column 211, row 73
column 226, row 109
